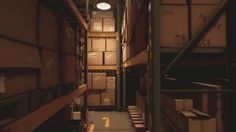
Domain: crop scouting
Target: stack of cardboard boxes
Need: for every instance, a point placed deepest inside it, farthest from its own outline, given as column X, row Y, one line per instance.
column 186, row 117
column 102, row 51
column 34, row 55
column 175, row 33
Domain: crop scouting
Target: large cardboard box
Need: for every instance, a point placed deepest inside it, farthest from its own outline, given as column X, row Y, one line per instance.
column 14, row 82
column 110, row 58
column 99, row 80
column 95, row 58
column 102, row 14
column 48, row 29
column 94, row 99
column 108, row 98
column 174, row 32
column 16, row 55
column 173, row 1
column 206, row 2
column 89, row 81
column 98, row 44
column 18, row 19
column 68, row 69
column 108, row 25
column 96, row 25
column 111, row 44
column 111, row 83
column 50, row 72
column 216, row 37
column 191, row 122
column 68, row 38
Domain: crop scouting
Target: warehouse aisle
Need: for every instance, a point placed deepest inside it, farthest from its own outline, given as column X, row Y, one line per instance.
column 111, row 121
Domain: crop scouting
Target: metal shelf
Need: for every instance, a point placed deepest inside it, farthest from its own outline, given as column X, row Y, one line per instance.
column 103, row 34
column 196, row 50
column 141, row 58
column 72, row 7
column 36, row 118
column 197, row 91
column 101, row 68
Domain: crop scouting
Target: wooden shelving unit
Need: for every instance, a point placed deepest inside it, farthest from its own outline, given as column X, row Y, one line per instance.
column 103, row 34
column 138, row 59
column 101, row 68
column 36, row 118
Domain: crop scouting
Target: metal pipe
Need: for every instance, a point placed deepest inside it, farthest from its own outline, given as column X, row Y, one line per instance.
column 155, row 66
column 198, row 36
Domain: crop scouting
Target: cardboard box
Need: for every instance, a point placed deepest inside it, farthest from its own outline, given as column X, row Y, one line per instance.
column 95, row 58
column 124, row 53
column 48, row 29
column 18, row 19
column 89, row 81
column 99, row 80
column 68, row 69
column 68, row 36
column 94, row 99
column 108, row 25
column 96, row 25
column 190, row 122
column 50, row 72
column 89, row 46
column 15, row 82
column 173, row 1
column 16, row 55
column 111, row 83
column 111, row 44
column 110, row 58
column 102, row 14
column 180, row 104
column 216, row 37
column 108, row 98
column 206, row 2
column 98, row 44
column 174, row 32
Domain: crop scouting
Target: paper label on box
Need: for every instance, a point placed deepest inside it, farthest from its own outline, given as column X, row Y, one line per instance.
column 97, row 25
column 91, row 55
column 2, row 84
column 107, row 101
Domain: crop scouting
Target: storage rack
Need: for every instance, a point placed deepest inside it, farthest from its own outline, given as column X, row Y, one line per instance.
column 36, row 118
column 153, row 59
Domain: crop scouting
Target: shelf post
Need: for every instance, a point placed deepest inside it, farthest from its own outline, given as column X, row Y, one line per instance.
column 155, row 66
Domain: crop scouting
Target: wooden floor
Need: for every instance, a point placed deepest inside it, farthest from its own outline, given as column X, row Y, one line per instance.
column 111, row 122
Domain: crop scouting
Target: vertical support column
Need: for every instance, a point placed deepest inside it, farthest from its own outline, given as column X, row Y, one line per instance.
column 86, row 75
column 155, row 66
column 124, row 88
column 231, row 28
column 118, row 27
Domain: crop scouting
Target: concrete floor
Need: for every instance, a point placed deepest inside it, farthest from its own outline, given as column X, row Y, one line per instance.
column 111, row 121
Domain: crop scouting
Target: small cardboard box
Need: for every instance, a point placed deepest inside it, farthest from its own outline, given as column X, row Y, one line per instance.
column 174, row 32
column 111, row 44
column 98, row 44
column 180, row 104
column 94, row 99
column 96, row 25
column 99, row 80
column 108, row 98
column 68, row 69
column 216, row 37
column 110, row 58
column 95, row 58
column 108, row 25
column 191, row 122
column 111, row 83
column 102, row 14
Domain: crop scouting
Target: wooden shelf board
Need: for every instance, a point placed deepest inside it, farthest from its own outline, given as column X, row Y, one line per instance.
column 101, row 67
column 36, row 118
column 73, row 8
column 196, row 50
column 102, row 34
column 141, row 58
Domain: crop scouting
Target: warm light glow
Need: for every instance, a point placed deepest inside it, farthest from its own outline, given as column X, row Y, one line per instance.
column 103, row 6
